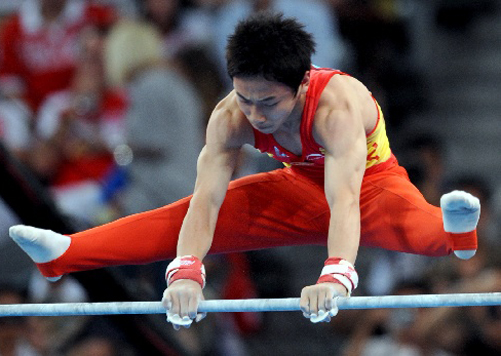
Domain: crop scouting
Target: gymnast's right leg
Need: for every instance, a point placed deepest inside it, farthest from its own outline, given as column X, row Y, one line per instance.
column 136, row 239
column 41, row 245
column 259, row 212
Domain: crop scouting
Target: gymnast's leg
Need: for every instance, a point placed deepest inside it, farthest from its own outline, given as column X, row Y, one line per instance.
column 396, row 216
column 260, row 211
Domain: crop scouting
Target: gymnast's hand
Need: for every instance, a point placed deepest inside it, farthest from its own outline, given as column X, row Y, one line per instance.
column 318, row 302
column 181, row 301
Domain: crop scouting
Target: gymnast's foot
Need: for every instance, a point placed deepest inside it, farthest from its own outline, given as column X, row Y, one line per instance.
column 461, row 211
column 41, row 245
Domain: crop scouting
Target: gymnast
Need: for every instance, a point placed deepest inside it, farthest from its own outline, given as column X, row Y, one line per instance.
column 341, row 186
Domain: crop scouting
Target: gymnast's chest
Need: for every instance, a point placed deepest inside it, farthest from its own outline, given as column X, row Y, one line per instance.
column 289, row 143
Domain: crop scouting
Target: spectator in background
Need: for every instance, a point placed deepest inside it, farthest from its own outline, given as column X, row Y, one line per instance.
column 380, row 35
column 425, row 157
column 96, row 346
column 467, row 331
column 13, row 336
column 163, row 128
column 165, row 113
column 38, row 46
column 15, row 127
column 186, row 39
column 392, row 332
column 177, row 27
column 78, row 130
column 388, row 269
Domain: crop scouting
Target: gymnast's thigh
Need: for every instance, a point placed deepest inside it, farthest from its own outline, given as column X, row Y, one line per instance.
column 277, row 208
column 396, row 216
column 263, row 210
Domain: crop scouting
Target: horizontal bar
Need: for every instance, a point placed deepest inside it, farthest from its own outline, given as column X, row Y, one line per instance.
column 253, row 305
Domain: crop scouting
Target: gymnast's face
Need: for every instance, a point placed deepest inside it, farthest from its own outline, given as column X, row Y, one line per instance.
column 268, row 105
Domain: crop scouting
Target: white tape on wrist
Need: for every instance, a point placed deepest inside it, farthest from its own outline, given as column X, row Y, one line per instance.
column 186, row 267
column 340, row 271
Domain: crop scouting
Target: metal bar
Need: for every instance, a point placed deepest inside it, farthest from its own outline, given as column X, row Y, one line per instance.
column 253, row 305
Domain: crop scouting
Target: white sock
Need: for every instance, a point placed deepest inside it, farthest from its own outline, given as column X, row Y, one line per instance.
column 41, row 245
column 460, row 211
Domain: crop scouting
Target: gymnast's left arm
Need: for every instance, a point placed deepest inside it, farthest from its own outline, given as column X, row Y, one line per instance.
column 341, row 132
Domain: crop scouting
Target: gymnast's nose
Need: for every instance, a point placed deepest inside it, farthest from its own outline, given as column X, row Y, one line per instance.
column 256, row 115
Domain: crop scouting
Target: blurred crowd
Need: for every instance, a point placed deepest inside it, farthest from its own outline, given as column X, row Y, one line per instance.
column 105, row 102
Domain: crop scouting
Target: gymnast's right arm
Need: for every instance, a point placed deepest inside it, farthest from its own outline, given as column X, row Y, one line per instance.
column 226, row 134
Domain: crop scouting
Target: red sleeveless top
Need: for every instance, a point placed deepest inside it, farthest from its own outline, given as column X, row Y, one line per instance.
column 313, row 155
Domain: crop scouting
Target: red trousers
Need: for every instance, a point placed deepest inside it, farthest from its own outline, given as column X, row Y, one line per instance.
column 280, row 208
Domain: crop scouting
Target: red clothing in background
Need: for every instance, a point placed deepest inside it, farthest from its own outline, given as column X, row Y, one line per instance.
column 38, row 58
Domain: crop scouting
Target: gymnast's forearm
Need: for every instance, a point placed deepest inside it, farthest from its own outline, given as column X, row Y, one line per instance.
column 198, row 228
column 344, row 231
column 342, row 191
column 214, row 170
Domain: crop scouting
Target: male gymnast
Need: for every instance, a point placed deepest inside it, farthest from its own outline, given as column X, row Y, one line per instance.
column 341, row 185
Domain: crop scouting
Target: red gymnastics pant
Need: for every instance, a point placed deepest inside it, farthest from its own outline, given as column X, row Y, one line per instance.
column 279, row 208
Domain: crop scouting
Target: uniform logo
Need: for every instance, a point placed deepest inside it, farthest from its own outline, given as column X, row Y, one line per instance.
column 317, row 157
column 186, row 262
column 314, row 156
column 278, row 153
column 372, row 154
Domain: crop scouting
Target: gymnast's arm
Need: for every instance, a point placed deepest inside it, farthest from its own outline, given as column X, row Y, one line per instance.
column 340, row 130
column 227, row 131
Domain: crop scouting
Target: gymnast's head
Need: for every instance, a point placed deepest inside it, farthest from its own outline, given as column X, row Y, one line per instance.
column 272, row 47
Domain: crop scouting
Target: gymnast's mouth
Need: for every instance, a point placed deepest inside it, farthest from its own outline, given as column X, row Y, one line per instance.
column 264, row 128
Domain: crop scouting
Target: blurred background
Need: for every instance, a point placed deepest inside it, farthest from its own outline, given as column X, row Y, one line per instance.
column 103, row 106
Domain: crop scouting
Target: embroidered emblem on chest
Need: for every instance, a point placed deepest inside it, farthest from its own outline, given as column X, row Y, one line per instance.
column 279, row 153
column 316, row 157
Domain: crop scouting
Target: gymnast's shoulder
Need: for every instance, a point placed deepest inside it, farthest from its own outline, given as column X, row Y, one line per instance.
column 344, row 92
column 227, row 123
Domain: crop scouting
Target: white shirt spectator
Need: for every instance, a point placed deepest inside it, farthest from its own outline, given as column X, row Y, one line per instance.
column 15, row 125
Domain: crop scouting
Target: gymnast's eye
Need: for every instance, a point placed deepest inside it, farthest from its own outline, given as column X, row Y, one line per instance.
column 243, row 100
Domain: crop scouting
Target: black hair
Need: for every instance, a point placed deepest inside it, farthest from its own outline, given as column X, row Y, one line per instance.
column 270, row 46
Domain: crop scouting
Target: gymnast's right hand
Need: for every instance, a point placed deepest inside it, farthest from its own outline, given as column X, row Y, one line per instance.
column 181, row 301
column 185, row 277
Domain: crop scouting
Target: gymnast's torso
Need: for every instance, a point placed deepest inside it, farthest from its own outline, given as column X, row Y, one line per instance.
column 378, row 148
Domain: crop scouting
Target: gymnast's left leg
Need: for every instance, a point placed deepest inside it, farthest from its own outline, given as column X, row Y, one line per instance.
column 396, row 216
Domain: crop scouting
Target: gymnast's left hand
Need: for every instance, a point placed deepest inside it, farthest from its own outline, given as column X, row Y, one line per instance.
column 181, row 301
column 318, row 302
